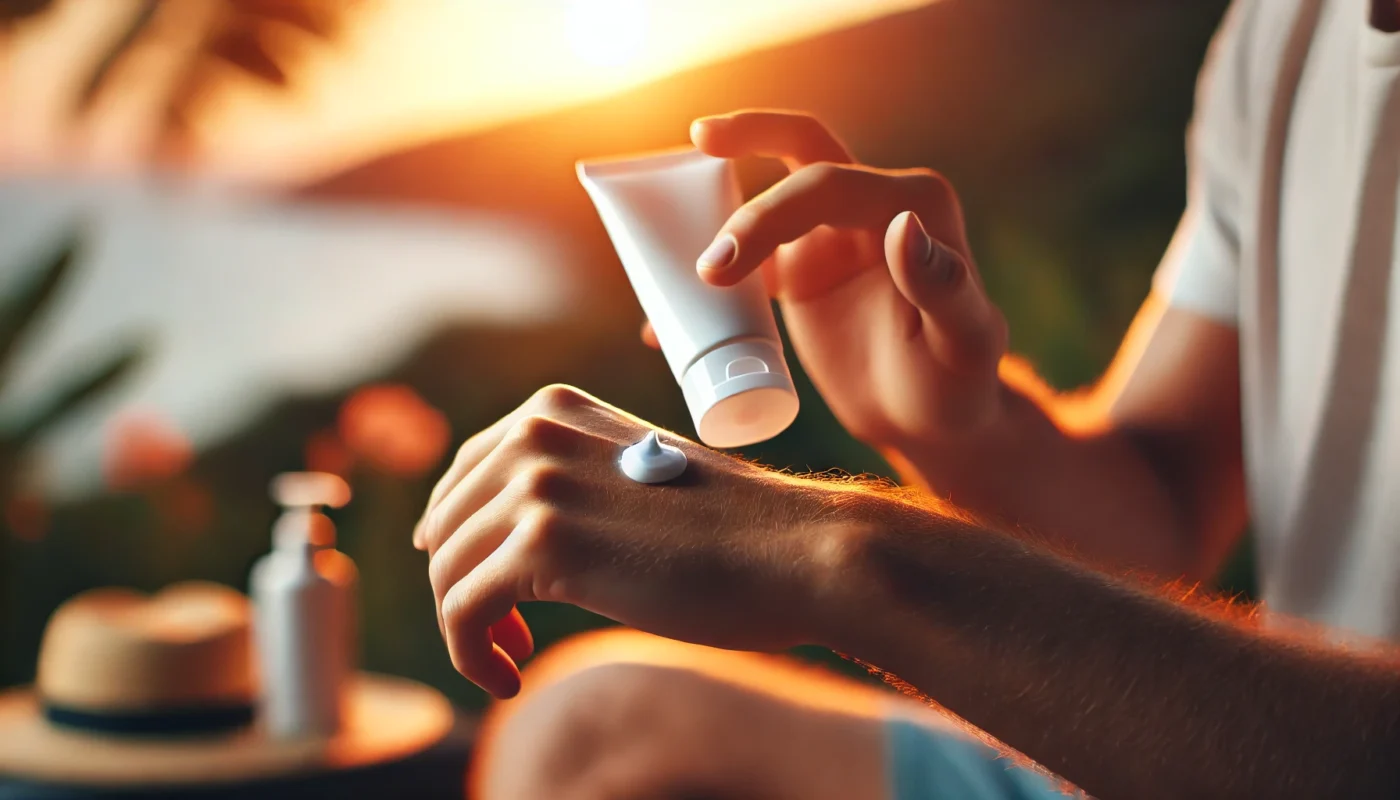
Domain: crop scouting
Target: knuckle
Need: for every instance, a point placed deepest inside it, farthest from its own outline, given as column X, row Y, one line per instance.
column 812, row 133
column 436, row 525
column 453, row 606
column 544, row 481
column 926, row 184
column 558, row 397
column 439, row 574
column 539, row 433
column 542, row 530
column 463, row 450
column 810, row 124
column 822, row 173
column 749, row 217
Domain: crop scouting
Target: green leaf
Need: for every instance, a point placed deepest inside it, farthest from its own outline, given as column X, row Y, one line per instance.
column 75, row 394
column 26, row 305
column 112, row 56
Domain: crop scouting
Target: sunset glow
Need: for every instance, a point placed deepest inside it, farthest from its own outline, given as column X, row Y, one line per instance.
column 607, row 33
column 402, row 73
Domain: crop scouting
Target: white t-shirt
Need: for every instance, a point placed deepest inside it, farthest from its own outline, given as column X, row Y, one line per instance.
column 1290, row 233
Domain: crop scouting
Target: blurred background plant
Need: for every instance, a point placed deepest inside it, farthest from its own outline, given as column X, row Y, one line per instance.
column 25, row 509
column 1061, row 123
column 188, row 46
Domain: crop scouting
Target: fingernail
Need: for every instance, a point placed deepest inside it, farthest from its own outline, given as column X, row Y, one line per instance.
column 944, row 265
column 719, row 254
column 940, row 263
column 918, row 245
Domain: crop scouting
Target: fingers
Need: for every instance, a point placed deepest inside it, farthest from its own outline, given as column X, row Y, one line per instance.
column 469, row 610
column 537, row 490
column 471, row 545
column 468, row 497
column 939, row 282
column 464, row 551
column 840, row 196
column 798, row 139
column 513, row 635
column 468, row 456
column 551, row 401
column 527, row 454
column 649, row 336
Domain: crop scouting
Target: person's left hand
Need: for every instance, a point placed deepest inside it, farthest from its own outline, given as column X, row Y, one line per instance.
column 536, row 508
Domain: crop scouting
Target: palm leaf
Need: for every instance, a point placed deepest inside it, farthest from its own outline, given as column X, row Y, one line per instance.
column 135, row 27
column 77, row 392
column 241, row 34
column 29, row 302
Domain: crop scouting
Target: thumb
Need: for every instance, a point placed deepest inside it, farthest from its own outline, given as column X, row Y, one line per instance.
column 938, row 281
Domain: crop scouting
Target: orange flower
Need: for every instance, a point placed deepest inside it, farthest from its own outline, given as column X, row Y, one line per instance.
column 143, row 449
column 325, row 452
column 394, row 429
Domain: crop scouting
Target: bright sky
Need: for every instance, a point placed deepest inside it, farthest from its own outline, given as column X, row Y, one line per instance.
column 408, row 70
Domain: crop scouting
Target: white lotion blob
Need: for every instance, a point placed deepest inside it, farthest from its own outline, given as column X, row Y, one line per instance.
column 652, row 461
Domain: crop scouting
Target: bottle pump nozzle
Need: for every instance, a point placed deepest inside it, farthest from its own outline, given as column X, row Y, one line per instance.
column 302, row 495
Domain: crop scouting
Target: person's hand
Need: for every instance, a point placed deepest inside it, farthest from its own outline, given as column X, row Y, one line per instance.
column 536, row 508
column 881, row 298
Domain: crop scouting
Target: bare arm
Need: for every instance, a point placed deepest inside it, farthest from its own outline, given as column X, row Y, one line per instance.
column 1121, row 690
column 1125, row 692
column 1144, row 470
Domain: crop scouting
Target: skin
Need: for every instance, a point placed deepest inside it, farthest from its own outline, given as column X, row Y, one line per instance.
column 620, row 714
column 1122, row 690
column 1117, row 686
column 885, row 309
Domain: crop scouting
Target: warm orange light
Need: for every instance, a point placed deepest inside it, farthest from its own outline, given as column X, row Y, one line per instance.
column 400, row 73
column 393, row 428
column 607, row 33
column 325, row 452
column 144, row 449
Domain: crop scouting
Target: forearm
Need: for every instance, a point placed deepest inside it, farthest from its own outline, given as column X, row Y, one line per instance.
column 1124, row 692
column 1080, row 486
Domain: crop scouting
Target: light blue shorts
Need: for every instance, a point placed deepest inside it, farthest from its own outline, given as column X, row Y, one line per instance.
column 927, row 762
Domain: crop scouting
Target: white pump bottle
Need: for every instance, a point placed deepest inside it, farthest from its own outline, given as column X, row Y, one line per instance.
column 304, row 611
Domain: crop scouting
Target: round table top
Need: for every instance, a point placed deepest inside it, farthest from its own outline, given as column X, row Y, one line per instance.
column 386, row 719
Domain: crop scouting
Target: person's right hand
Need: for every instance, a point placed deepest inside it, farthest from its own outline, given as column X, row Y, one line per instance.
column 871, row 267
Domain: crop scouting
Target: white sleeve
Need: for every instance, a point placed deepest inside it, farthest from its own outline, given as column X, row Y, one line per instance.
column 1200, row 271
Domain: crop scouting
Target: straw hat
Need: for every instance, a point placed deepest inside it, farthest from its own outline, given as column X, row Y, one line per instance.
column 158, row 691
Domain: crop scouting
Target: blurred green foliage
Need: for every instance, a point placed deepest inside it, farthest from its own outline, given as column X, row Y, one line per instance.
column 1066, row 147
column 18, row 314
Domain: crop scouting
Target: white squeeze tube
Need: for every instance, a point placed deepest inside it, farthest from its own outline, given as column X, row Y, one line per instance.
column 662, row 210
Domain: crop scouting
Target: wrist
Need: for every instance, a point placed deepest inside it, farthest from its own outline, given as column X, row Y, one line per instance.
column 938, row 458
column 848, row 551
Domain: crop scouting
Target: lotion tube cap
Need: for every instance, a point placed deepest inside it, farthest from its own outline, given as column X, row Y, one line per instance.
column 740, row 393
